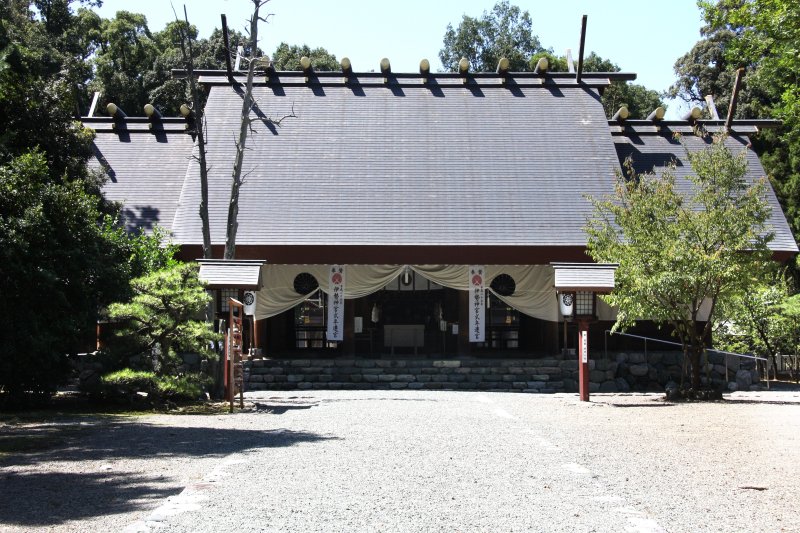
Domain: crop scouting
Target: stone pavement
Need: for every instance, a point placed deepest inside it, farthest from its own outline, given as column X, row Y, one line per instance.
column 463, row 461
column 417, row 461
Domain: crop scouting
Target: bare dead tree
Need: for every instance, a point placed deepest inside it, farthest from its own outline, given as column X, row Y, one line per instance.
column 241, row 142
column 199, row 117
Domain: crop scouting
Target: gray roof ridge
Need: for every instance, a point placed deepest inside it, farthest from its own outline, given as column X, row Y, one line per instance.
column 616, row 76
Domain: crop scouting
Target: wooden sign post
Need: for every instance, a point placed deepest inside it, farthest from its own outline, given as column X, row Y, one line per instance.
column 583, row 282
column 233, row 349
column 583, row 360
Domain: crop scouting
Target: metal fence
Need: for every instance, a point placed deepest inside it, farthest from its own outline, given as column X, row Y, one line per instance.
column 672, row 343
column 786, row 365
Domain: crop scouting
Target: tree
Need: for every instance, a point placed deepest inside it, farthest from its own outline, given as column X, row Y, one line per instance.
column 790, row 310
column 762, row 37
column 753, row 322
column 241, row 143
column 677, row 252
column 505, row 31
column 134, row 65
column 639, row 100
column 57, row 264
column 508, row 32
column 61, row 254
column 245, row 123
column 165, row 316
column 288, row 58
column 125, row 53
column 187, row 52
column 42, row 58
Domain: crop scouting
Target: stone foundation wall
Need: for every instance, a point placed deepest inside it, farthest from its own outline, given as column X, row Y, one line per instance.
column 622, row 372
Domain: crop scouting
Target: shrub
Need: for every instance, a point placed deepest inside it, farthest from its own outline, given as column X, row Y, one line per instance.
column 176, row 388
column 126, row 384
column 123, row 384
column 164, row 317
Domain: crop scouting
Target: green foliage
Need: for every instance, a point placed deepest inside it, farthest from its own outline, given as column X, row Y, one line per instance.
column 164, row 316
column 183, row 388
column 508, row 32
column 288, row 58
column 756, row 321
column 144, row 253
column 555, row 63
column 129, row 380
column 133, row 65
column 45, row 59
column 678, row 251
column 762, row 37
column 790, row 310
column 505, row 31
column 123, row 385
column 61, row 254
column 639, row 100
column 125, row 54
column 56, row 266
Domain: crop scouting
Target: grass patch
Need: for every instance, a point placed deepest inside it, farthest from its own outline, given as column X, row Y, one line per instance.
column 30, row 438
column 19, row 444
column 69, row 406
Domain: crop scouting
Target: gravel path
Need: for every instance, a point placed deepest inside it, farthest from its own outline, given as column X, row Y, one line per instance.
column 421, row 461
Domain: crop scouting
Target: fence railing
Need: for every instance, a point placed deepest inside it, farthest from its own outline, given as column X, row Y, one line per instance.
column 673, row 343
column 786, row 364
column 781, row 364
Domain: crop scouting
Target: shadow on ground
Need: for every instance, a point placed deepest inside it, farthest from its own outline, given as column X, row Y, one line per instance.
column 65, row 496
column 33, row 493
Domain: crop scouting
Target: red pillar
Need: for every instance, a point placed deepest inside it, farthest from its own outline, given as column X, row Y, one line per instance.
column 583, row 360
column 255, row 333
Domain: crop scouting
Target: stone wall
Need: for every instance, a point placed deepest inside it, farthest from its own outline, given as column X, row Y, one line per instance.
column 621, row 372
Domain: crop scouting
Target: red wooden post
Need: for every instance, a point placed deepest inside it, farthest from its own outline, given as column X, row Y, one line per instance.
column 255, row 333
column 583, row 360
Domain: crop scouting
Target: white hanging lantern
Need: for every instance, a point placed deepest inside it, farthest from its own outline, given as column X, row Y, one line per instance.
column 249, row 302
column 566, row 303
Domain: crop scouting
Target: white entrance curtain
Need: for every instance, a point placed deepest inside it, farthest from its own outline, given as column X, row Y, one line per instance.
column 278, row 294
column 534, row 294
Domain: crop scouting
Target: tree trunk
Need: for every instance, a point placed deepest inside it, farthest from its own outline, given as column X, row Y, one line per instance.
column 199, row 116
column 241, row 143
column 697, row 353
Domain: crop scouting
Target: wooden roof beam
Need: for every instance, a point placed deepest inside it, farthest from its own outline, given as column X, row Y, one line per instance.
column 579, row 73
column 541, row 66
column 115, row 111
column 693, row 115
column 425, row 70
column 622, row 114
column 734, row 97
column 386, row 69
column 463, row 69
column 226, row 42
column 657, row 114
column 308, row 70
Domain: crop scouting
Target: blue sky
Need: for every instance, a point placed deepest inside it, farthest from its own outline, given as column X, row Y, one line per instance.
column 641, row 36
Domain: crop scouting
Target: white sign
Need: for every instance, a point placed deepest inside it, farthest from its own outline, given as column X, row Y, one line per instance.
column 477, row 304
column 584, row 346
column 249, row 302
column 336, row 283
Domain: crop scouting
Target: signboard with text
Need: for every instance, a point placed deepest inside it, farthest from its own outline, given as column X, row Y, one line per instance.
column 477, row 304
column 336, row 284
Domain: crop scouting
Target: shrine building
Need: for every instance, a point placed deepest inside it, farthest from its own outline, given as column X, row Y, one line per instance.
column 403, row 186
